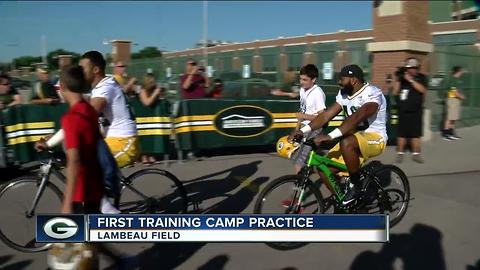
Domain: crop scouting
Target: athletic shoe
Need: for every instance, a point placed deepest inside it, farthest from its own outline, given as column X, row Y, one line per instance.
column 107, row 208
column 455, row 137
column 447, row 138
column 399, row 158
column 418, row 158
column 351, row 195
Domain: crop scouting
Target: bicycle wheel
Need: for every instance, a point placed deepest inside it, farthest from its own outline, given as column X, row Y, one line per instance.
column 153, row 191
column 281, row 197
column 388, row 193
column 17, row 229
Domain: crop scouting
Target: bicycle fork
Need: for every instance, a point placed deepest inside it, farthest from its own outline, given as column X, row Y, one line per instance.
column 296, row 203
column 45, row 173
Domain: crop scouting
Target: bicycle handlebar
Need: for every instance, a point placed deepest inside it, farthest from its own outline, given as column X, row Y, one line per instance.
column 50, row 155
column 305, row 141
column 326, row 145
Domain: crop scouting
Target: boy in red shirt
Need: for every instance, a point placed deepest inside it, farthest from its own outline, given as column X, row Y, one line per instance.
column 84, row 187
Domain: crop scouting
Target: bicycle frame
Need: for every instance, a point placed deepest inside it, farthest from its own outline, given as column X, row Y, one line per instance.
column 322, row 163
column 45, row 171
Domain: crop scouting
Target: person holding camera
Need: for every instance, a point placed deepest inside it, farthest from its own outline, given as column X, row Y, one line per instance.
column 410, row 88
column 192, row 82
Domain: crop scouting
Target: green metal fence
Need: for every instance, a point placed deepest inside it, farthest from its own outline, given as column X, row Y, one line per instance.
column 450, row 50
column 443, row 59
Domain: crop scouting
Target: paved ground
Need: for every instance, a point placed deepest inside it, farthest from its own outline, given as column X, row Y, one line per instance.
column 440, row 230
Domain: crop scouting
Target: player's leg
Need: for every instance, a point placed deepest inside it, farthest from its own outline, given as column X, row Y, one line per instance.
column 355, row 151
column 125, row 150
column 350, row 150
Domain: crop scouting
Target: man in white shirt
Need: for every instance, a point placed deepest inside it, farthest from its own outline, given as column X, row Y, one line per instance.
column 109, row 100
column 363, row 132
column 312, row 102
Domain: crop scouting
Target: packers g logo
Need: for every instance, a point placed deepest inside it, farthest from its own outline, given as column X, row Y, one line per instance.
column 60, row 228
column 280, row 146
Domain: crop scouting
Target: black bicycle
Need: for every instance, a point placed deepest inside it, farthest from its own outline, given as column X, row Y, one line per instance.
column 145, row 191
column 385, row 190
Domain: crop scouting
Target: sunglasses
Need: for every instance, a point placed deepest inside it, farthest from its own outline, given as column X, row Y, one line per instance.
column 5, row 84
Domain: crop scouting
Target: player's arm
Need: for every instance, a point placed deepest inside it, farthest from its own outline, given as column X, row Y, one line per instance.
column 98, row 103
column 367, row 110
column 73, row 163
column 327, row 115
column 298, row 126
column 318, row 122
column 309, row 117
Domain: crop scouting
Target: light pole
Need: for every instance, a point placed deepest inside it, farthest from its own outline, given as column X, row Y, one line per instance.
column 12, row 63
column 205, row 33
column 44, row 49
column 105, row 42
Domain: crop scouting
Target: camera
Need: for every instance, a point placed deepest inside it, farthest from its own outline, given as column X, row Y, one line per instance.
column 400, row 72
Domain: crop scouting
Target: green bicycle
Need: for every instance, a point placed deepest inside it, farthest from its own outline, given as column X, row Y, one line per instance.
column 385, row 190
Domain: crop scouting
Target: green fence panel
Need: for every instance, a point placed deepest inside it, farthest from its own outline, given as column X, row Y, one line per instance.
column 154, row 126
column 208, row 124
column 26, row 124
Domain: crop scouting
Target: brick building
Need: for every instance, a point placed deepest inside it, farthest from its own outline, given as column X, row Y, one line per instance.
column 400, row 29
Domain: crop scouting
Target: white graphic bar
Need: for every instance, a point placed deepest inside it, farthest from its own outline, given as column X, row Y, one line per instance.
column 285, row 120
column 115, row 235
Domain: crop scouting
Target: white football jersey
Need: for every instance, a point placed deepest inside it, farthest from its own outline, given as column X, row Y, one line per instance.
column 368, row 93
column 311, row 101
column 117, row 111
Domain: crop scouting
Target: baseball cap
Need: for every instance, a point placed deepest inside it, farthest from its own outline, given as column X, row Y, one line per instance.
column 412, row 63
column 352, row 71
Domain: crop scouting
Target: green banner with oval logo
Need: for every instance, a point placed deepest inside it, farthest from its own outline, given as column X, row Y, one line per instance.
column 243, row 121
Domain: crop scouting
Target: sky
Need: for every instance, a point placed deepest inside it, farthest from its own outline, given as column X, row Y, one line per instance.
column 171, row 25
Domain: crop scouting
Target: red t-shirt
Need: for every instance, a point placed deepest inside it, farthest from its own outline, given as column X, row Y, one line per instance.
column 80, row 125
column 196, row 89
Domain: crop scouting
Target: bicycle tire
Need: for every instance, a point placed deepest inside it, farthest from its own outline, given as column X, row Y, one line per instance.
column 16, row 183
column 405, row 193
column 178, row 197
column 276, row 184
